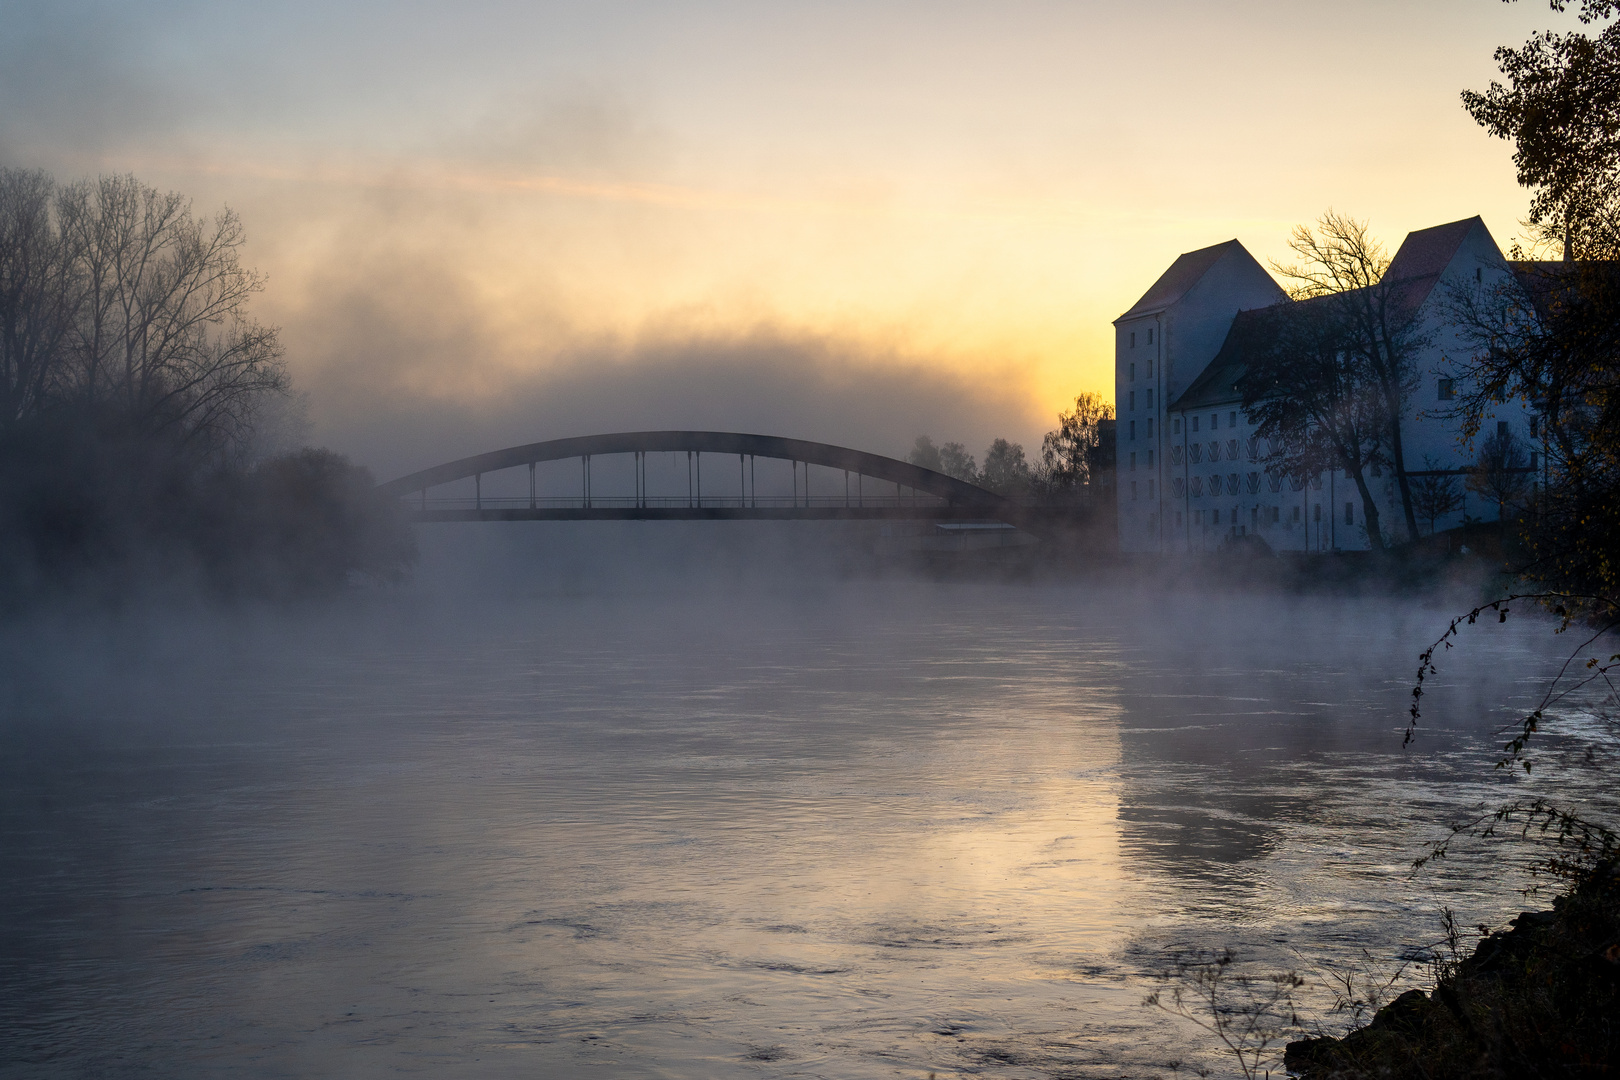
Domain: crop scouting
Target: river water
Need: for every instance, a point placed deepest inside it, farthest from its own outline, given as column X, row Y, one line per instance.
column 538, row 818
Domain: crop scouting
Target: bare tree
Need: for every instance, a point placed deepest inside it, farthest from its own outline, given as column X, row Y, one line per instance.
column 1378, row 329
column 1502, row 473
column 40, row 289
column 162, row 331
column 1436, row 493
column 1311, row 398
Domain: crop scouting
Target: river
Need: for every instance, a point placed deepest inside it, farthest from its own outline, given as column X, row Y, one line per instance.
column 537, row 817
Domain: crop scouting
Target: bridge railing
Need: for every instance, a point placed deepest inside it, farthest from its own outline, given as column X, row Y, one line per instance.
column 415, row 501
column 618, row 502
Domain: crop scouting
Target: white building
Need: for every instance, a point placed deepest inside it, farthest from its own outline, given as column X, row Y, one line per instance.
column 1191, row 471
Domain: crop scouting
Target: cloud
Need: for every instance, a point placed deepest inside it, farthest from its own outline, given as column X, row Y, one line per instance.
column 766, row 381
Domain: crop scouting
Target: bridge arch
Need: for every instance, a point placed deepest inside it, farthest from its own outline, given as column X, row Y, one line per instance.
column 954, row 497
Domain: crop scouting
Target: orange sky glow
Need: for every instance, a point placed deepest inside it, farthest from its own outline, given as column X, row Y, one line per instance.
column 455, row 202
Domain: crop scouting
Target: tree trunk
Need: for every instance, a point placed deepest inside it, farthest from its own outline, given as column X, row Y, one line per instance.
column 1369, row 510
column 1398, row 458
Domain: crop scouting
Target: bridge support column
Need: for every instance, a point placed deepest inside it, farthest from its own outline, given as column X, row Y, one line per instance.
column 753, row 482
column 531, row 485
column 699, row 456
column 478, row 490
column 689, row 478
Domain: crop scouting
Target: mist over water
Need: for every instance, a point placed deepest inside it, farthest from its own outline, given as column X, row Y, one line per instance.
column 698, row 801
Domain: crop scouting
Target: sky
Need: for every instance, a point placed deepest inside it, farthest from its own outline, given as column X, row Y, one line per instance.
column 488, row 223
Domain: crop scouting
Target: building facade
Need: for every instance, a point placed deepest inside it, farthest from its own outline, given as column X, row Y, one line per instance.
column 1191, row 470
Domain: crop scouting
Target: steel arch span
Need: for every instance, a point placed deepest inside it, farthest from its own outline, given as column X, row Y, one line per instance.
column 919, row 493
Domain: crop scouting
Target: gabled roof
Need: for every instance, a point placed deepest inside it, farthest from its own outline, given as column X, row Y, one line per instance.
column 1183, row 274
column 1217, row 384
column 1424, row 256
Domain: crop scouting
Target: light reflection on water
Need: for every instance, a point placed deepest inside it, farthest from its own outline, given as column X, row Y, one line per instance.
column 856, row 830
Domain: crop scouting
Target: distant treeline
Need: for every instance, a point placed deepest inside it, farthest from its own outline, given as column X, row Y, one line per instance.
column 1074, row 456
column 136, row 401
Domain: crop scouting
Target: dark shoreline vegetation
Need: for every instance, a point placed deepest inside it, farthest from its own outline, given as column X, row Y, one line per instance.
column 139, row 403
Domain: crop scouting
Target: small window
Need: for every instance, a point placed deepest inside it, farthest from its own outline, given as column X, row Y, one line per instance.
column 1133, row 339
column 1177, row 429
column 1150, row 335
column 1133, row 401
column 1150, row 361
column 1150, row 459
column 1478, row 277
column 1534, row 457
column 1133, row 430
column 1195, row 423
column 1150, row 427
column 1448, row 389
column 1133, row 491
column 1133, row 372
column 1317, row 513
column 1349, row 513
column 1296, row 515
column 1215, row 517
column 1502, row 428
column 1133, row 461
column 1214, row 420
column 1150, row 398
column 1275, row 512
column 1231, row 419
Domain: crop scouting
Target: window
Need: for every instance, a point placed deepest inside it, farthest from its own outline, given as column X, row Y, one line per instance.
column 1478, row 277
column 1133, row 401
column 1254, row 483
column 1150, row 399
column 1133, row 461
column 1177, row 429
column 1175, row 455
column 1133, row 491
column 1215, row 517
column 1150, row 360
column 1296, row 515
column 1533, row 458
column 1195, row 453
column 1180, row 488
column 1231, row 450
column 1254, row 515
column 1133, row 372
column 1150, row 457
column 1349, row 512
column 1502, row 428
column 1317, row 513
column 1275, row 513
column 1150, row 335
column 1133, row 339
column 1196, row 485
column 1214, row 421
column 1150, row 427
column 1234, row 483
column 1274, row 481
column 1448, row 389
column 1195, row 423
column 1198, row 517
column 1231, row 419
column 1133, row 429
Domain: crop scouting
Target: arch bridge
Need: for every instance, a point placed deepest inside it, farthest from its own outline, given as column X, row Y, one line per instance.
column 872, row 487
